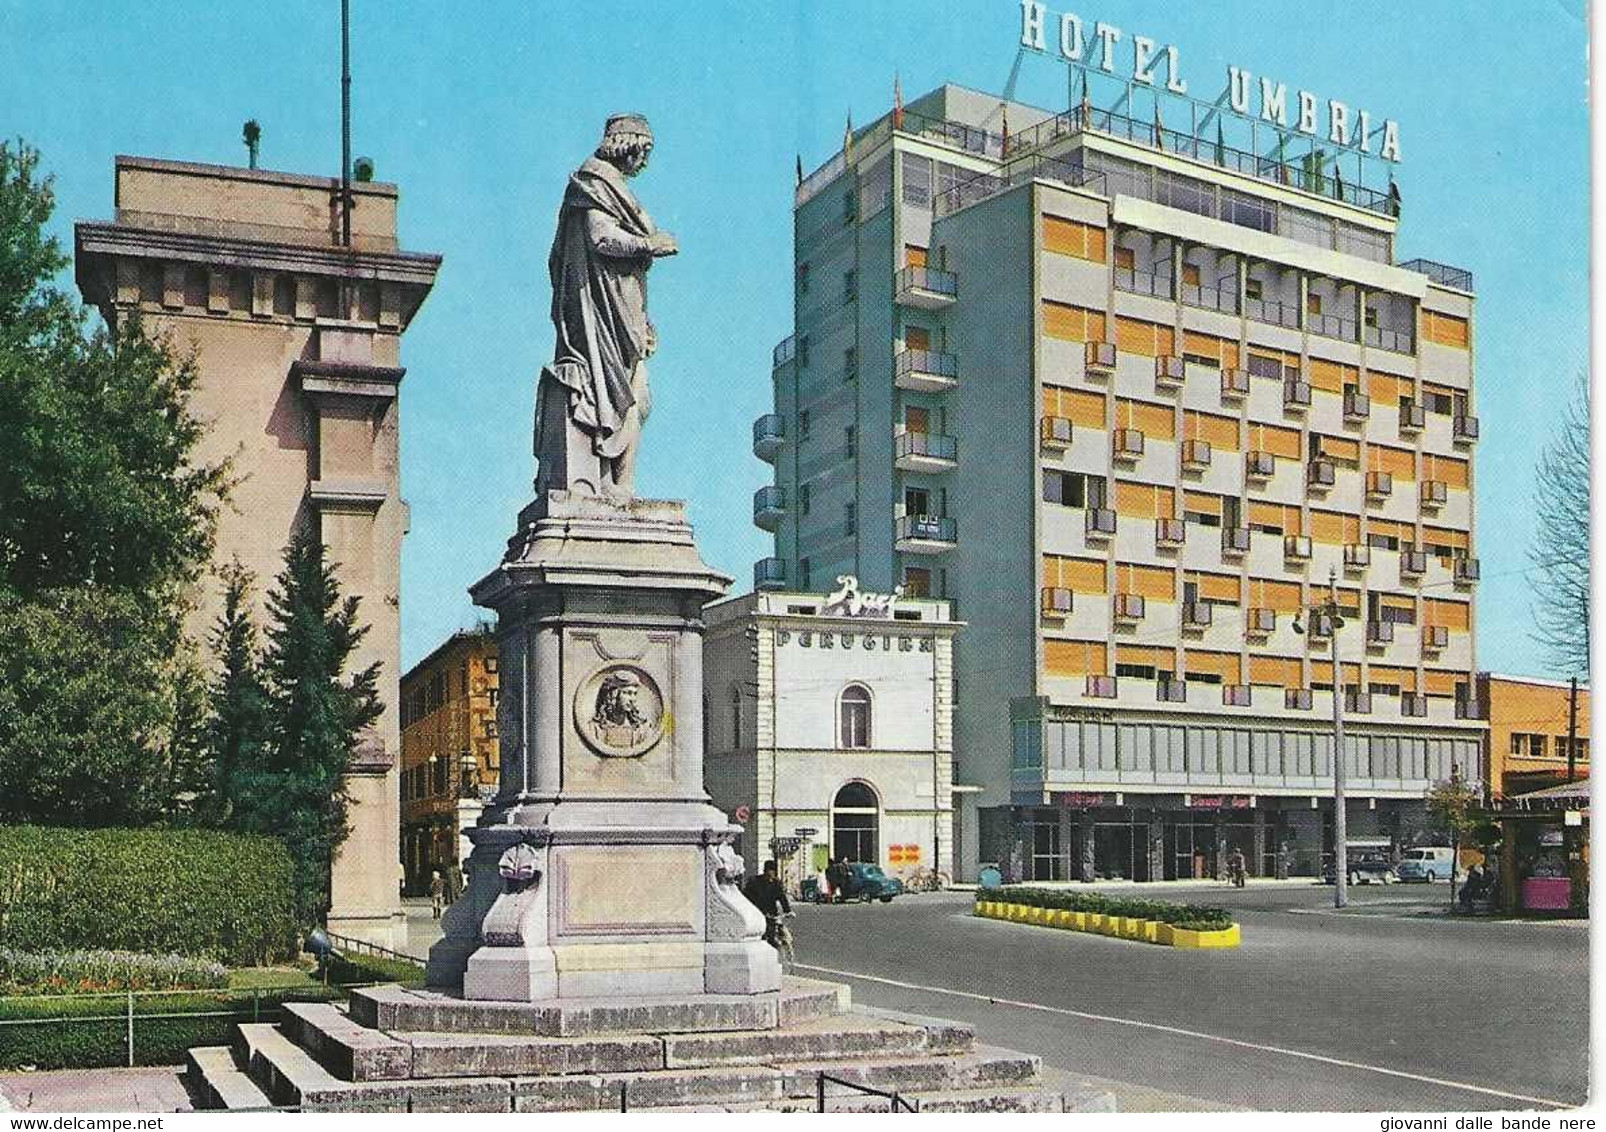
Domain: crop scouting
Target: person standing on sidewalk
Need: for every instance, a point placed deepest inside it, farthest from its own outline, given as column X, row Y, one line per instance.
column 437, row 894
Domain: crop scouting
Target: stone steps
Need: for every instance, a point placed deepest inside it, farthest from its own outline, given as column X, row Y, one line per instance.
column 219, row 1083
column 985, row 1068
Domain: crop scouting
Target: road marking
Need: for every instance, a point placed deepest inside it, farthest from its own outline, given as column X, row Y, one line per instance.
column 1159, row 1027
column 1430, row 917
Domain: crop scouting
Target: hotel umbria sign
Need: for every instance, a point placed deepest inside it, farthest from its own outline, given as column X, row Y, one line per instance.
column 1139, row 59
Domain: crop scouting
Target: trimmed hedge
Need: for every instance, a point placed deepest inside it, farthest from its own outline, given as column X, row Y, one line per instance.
column 91, row 1031
column 348, row 969
column 1194, row 917
column 222, row 896
column 66, row 972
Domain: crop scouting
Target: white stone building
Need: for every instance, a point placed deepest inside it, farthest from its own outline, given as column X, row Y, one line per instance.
column 835, row 723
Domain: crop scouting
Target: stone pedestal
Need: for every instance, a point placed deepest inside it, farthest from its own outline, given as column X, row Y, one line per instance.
column 601, row 869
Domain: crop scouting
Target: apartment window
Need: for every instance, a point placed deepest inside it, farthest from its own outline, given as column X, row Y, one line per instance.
column 853, row 717
column 1526, row 746
column 850, row 441
column 1441, row 403
column 1313, row 303
column 1371, row 316
column 736, row 716
column 1125, row 259
column 1260, row 365
column 1202, row 677
column 850, row 286
column 1202, row 360
column 916, row 180
column 850, row 518
column 803, row 424
column 1384, row 689
column 850, row 364
column 1203, row 518
column 1582, row 748
column 916, row 581
column 1190, row 275
column 803, row 494
column 1254, row 289
column 1073, row 489
column 1382, row 541
column 803, row 278
column 803, row 574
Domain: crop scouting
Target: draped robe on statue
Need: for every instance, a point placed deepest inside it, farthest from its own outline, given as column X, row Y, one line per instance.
column 593, row 397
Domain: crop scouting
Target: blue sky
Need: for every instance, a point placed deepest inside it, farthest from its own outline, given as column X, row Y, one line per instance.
column 479, row 111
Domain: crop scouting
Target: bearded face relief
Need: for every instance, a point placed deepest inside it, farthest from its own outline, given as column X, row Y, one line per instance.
column 620, row 711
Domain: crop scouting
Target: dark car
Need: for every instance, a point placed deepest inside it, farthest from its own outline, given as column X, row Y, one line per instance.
column 1364, row 868
column 868, row 882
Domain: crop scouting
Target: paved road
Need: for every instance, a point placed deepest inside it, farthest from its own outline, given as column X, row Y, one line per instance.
column 1387, row 1006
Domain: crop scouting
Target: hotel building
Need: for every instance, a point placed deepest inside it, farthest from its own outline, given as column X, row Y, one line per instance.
column 1127, row 399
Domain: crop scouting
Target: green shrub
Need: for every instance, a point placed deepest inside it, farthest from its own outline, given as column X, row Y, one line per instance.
column 348, row 969
column 222, row 896
column 1197, row 917
column 64, row 972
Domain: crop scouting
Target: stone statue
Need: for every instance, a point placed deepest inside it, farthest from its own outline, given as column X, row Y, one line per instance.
column 593, row 398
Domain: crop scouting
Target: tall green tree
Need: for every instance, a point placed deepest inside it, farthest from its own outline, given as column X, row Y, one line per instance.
column 106, row 516
column 1560, row 551
column 316, row 712
column 237, row 727
column 1453, row 806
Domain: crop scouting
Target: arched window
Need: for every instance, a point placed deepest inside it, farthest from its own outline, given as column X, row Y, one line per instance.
column 855, row 816
column 853, row 717
column 736, row 716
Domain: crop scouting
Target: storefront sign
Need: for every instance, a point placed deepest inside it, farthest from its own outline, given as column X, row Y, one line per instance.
column 1219, row 802
column 903, row 854
column 1152, row 63
column 1081, row 799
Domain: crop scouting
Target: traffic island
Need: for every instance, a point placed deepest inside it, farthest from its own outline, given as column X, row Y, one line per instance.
column 1149, row 921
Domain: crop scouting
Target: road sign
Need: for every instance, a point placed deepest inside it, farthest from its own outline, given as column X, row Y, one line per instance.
column 742, row 813
column 805, row 831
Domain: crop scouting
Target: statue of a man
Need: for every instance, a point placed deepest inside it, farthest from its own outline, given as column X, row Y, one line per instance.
column 593, row 398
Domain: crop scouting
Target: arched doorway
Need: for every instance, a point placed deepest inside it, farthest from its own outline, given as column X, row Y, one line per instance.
column 855, row 822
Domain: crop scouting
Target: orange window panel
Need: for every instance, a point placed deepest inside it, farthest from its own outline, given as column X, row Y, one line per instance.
column 1454, row 473
column 1280, row 442
column 1144, row 655
column 1072, row 323
column 1074, row 658
column 1157, row 422
column 1397, row 601
column 1219, row 432
column 1216, row 587
column 1125, row 258
column 1144, row 500
column 1397, row 462
column 1282, row 357
column 1451, row 614
column 1222, row 664
column 916, row 338
column 1276, row 515
column 1331, row 376
column 1073, row 238
column 1446, row 329
column 1077, row 405
column 1339, row 448
column 1277, row 671
column 1202, row 502
column 1136, row 336
column 1224, row 351
column 1439, row 682
column 1387, row 389
column 1443, row 536
column 1153, row 582
column 1405, row 532
column 1284, row 597
column 914, row 256
column 1330, row 527
column 1405, row 678
column 1084, row 575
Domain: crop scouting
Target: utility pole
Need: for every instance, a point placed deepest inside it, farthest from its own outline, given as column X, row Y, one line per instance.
column 1572, row 731
column 345, row 127
column 1340, row 831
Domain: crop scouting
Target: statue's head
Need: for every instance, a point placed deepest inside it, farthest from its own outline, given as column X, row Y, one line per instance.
column 626, row 143
column 619, row 700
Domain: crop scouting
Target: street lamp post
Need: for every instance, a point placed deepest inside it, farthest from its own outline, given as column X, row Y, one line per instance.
column 1328, row 612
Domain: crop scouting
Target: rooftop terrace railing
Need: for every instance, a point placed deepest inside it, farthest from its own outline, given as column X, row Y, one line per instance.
column 1457, row 277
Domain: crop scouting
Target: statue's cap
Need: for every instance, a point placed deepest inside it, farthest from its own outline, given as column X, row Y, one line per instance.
column 627, row 125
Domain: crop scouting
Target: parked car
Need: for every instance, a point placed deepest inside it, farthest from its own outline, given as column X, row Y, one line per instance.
column 1364, row 868
column 868, row 882
column 1426, row 865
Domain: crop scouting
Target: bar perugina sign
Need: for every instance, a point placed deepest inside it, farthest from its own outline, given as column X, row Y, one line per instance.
column 1153, row 63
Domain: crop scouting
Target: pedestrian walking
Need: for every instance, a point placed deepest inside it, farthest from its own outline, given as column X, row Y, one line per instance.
column 437, row 894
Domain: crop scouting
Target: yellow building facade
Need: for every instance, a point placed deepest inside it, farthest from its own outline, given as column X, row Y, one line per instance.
column 1528, row 732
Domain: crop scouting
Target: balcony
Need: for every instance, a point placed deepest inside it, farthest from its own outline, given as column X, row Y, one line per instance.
column 1128, row 608
column 1236, row 695
column 1260, row 622
column 1136, row 281
column 1384, row 338
column 1098, row 359
column 1296, row 395
column 1169, row 534
column 1297, row 699
column 1413, row 705
column 1099, row 525
column 925, row 371
column 1413, row 563
column 1334, row 326
column 1195, row 455
column 1464, row 429
column 1197, row 614
column 1207, row 297
column 1358, row 703
column 1168, row 373
column 1259, row 465
column 1435, row 639
column 1171, row 691
column 925, row 534
column 1379, row 485
column 785, row 350
column 1126, row 445
column 769, row 574
column 769, row 434
column 1055, row 432
column 1320, row 475
column 1099, row 687
column 1296, row 548
column 1057, row 602
column 925, row 452
column 1413, row 418
column 1357, row 556
column 1434, row 494
column 1466, row 571
column 1273, row 312
column 928, row 288
column 1357, row 406
column 1379, row 633
column 1234, row 542
column 1443, row 274
column 1234, row 384
column 769, row 507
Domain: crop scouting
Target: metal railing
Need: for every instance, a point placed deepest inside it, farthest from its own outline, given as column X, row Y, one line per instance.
column 927, row 361
column 1207, row 297
column 768, row 427
column 1458, row 277
column 785, row 350
column 770, row 498
column 1400, row 341
column 895, row 1101
column 1334, row 326
column 1139, row 282
column 1272, row 311
column 933, row 528
column 935, row 445
column 931, row 279
column 769, row 572
column 1018, row 172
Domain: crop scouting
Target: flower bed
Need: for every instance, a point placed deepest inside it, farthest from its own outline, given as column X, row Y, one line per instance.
column 1153, row 921
column 88, row 971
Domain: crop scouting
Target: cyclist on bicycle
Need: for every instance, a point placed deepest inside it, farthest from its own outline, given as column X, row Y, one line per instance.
column 768, row 895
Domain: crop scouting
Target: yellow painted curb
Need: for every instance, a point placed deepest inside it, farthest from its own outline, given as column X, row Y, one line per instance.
column 1183, row 937
column 1118, row 927
column 1162, row 934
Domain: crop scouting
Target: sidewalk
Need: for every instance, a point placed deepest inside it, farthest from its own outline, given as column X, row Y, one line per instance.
column 1156, row 886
